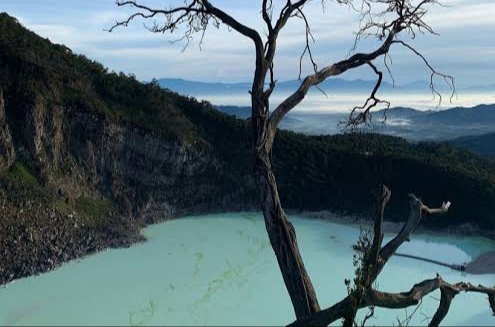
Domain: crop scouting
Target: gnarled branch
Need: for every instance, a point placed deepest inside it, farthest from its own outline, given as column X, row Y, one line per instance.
column 361, row 114
column 408, row 17
column 348, row 307
column 195, row 15
column 449, row 80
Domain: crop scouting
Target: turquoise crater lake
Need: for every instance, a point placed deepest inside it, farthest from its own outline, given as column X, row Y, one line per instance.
column 220, row 270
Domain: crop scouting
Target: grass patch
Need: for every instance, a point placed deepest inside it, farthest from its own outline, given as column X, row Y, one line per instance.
column 91, row 212
column 63, row 207
column 19, row 173
column 95, row 211
column 92, row 207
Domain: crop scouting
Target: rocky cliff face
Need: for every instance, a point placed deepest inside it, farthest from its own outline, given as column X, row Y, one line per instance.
column 149, row 176
column 73, row 182
column 61, row 117
column 7, row 153
column 81, row 153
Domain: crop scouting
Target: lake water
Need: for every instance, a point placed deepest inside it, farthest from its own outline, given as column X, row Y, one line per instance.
column 220, row 270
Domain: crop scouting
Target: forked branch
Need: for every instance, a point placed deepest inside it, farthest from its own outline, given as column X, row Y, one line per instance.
column 362, row 114
column 348, row 307
column 449, row 80
column 194, row 16
column 392, row 19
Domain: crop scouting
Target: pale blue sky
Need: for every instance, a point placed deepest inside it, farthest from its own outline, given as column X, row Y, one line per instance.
column 464, row 49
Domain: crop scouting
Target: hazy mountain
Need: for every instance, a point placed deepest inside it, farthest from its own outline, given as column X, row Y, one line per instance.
column 482, row 88
column 412, row 124
column 239, row 112
column 483, row 144
column 194, row 88
column 440, row 124
column 478, row 115
column 400, row 112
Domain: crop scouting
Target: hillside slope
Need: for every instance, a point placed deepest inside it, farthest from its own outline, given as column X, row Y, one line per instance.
column 483, row 145
column 88, row 156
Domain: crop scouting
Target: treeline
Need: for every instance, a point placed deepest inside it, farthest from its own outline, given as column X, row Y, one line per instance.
column 341, row 172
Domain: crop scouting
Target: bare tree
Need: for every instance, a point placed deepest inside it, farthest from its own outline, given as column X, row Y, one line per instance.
column 384, row 20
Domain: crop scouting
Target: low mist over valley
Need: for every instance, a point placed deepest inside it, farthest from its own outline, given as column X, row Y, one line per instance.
column 433, row 119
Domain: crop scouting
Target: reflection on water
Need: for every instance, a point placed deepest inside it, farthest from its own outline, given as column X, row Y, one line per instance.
column 220, row 270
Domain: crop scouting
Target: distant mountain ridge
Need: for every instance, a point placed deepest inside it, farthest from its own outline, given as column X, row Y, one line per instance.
column 483, row 115
column 194, row 88
column 480, row 114
column 483, row 145
column 410, row 123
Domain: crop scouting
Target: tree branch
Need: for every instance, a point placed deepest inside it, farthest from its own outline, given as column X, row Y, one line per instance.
column 401, row 300
column 315, row 79
column 377, row 258
column 195, row 15
column 449, row 80
column 364, row 111
column 382, row 201
column 416, row 208
column 284, row 17
column 409, row 17
column 266, row 16
column 234, row 23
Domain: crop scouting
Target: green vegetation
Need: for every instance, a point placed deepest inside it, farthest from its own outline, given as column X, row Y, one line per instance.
column 481, row 144
column 90, row 211
column 19, row 173
column 96, row 211
column 87, row 85
column 93, row 207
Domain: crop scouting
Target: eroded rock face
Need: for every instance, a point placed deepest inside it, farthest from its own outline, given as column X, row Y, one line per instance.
column 150, row 176
column 74, row 153
column 82, row 153
column 7, row 152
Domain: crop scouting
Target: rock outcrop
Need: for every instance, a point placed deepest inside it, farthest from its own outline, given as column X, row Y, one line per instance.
column 7, row 152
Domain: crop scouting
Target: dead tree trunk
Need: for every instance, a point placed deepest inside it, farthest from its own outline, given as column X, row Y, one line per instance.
column 280, row 230
column 283, row 240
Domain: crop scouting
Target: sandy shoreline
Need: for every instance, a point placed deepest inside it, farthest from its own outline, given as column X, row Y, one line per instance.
column 483, row 264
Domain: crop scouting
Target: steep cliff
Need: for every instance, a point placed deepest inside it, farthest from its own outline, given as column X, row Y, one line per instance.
column 79, row 134
column 81, row 168
column 7, row 153
column 88, row 156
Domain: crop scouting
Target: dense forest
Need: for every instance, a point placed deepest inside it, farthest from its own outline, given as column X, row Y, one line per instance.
column 113, row 153
column 340, row 171
column 479, row 144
